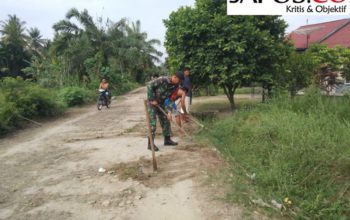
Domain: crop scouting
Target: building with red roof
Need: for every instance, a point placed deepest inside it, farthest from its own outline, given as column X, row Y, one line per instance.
column 331, row 33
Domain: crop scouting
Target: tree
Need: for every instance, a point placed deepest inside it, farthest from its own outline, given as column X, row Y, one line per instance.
column 186, row 43
column 76, row 43
column 13, row 41
column 319, row 64
column 140, row 54
column 331, row 64
column 35, row 42
column 300, row 70
column 229, row 50
column 346, row 63
column 84, row 50
column 3, row 60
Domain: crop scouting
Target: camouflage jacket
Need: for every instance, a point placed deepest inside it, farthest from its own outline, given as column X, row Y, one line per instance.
column 160, row 89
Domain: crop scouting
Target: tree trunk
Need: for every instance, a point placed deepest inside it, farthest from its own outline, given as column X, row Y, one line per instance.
column 230, row 93
column 293, row 92
column 263, row 95
column 269, row 92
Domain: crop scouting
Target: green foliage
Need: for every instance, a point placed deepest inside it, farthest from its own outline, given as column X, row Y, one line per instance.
column 249, row 90
column 124, row 88
column 8, row 115
column 21, row 98
column 346, row 63
column 30, row 99
column 213, row 90
column 208, row 90
column 337, row 58
column 82, row 52
column 226, row 50
column 73, row 96
column 90, row 50
column 302, row 67
column 13, row 45
column 299, row 72
column 297, row 149
column 120, row 84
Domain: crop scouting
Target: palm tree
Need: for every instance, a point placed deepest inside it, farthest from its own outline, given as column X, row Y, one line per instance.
column 69, row 33
column 14, row 42
column 141, row 53
column 146, row 47
column 35, row 42
column 12, row 31
column 66, row 31
column 115, row 44
column 97, row 36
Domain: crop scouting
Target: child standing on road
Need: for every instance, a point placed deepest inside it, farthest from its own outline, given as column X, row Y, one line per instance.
column 172, row 107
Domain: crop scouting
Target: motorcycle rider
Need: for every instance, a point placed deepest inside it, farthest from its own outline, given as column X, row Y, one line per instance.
column 105, row 86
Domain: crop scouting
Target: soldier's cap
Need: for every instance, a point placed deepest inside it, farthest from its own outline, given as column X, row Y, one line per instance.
column 180, row 75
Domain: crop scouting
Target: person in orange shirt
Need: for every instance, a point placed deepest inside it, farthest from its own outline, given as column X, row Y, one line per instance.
column 105, row 86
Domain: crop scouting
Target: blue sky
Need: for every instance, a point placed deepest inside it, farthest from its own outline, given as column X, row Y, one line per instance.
column 44, row 13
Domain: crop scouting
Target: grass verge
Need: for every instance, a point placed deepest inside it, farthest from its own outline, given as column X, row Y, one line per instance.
column 293, row 152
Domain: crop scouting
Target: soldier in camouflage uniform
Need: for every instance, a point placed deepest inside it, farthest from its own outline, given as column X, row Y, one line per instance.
column 157, row 91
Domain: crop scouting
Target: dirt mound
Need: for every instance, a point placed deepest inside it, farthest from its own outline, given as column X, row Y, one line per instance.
column 185, row 163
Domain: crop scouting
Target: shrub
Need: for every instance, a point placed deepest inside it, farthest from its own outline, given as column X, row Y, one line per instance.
column 29, row 99
column 124, row 88
column 8, row 115
column 73, row 96
column 297, row 149
column 120, row 84
column 20, row 98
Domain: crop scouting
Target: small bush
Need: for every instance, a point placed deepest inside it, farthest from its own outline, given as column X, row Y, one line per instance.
column 8, row 115
column 30, row 99
column 295, row 148
column 20, row 98
column 73, row 96
column 124, row 88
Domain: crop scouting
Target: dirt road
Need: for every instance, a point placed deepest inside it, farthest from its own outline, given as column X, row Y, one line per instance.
column 52, row 172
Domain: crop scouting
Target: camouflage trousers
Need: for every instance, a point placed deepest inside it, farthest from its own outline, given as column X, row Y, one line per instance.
column 164, row 122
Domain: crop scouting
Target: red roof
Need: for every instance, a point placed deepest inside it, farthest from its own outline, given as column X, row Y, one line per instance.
column 331, row 33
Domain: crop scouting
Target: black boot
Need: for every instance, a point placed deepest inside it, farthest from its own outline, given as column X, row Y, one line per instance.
column 168, row 141
column 154, row 145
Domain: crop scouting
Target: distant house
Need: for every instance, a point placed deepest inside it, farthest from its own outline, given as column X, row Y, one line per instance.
column 333, row 33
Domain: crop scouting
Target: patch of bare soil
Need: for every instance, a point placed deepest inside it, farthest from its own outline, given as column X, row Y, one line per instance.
column 186, row 162
column 95, row 165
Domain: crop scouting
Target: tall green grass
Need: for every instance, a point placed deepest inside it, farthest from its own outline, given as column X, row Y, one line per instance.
column 297, row 149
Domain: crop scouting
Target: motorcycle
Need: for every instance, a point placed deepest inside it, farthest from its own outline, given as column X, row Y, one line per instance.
column 103, row 99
